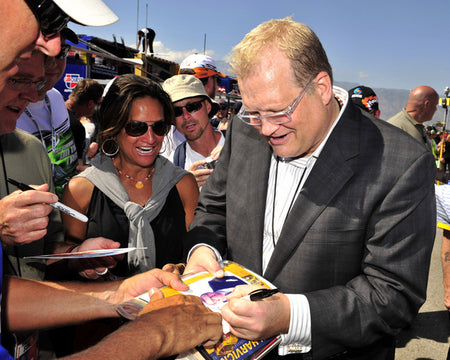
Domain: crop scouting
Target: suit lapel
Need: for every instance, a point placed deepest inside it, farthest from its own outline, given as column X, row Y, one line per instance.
column 255, row 165
column 328, row 176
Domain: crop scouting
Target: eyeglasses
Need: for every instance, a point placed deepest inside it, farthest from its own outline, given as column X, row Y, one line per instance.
column 24, row 84
column 51, row 18
column 277, row 118
column 65, row 49
column 190, row 108
column 136, row 128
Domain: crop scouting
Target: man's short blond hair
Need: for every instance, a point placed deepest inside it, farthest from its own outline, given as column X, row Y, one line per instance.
column 300, row 44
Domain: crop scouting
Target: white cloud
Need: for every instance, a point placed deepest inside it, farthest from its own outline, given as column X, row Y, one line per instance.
column 176, row 55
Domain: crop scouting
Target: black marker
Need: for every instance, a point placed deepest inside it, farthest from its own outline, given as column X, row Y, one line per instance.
column 56, row 205
column 260, row 294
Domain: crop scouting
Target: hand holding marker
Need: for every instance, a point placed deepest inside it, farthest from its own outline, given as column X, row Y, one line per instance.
column 56, row 205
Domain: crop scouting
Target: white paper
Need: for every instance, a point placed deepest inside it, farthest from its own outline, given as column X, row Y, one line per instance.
column 85, row 254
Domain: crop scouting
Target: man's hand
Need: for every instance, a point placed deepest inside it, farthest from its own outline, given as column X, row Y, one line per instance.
column 185, row 324
column 204, row 259
column 91, row 268
column 175, row 268
column 256, row 320
column 178, row 324
column 24, row 215
column 142, row 283
column 201, row 174
column 174, row 300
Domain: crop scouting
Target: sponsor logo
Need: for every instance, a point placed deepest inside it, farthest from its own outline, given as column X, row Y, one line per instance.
column 71, row 80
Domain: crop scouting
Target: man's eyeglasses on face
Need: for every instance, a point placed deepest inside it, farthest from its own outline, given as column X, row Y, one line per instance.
column 190, row 108
column 277, row 118
column 136, row 128
column 24, row 84
column 51, row 18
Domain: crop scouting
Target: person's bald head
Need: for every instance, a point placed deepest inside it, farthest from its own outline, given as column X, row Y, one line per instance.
column 422, row 103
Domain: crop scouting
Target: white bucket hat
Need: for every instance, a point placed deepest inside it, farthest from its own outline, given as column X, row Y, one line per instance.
column 180, row 87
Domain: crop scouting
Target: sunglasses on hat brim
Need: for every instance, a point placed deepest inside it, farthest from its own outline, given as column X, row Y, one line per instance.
column 51, row 18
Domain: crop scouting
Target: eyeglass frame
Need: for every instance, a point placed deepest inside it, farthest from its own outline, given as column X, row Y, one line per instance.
column 130, row 123
column 25, row 83
column 285, row 113
column 176, row 109
column 51, row 18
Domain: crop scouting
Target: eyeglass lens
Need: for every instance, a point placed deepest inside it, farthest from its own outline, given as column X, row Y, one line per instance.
column 190, row 108
column 138, row 128
column 24, row 84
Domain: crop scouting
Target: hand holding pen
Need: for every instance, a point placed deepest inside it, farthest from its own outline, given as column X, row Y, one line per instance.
column 24, row 215
column 55, row 204
column 266, row 314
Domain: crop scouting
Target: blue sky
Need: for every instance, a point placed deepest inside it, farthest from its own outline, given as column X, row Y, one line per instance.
column 383, row 44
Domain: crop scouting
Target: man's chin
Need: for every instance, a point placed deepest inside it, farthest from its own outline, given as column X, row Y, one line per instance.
column 7, row 126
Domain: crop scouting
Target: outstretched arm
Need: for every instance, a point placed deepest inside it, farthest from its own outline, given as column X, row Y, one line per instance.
column 71, row 303
column 176, row 324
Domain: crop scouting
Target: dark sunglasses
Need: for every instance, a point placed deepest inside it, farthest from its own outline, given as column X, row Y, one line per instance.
column 136, row 128
column 51, row 18
column 190, row 108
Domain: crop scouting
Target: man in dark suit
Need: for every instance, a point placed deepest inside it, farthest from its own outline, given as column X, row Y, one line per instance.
column 335, row 209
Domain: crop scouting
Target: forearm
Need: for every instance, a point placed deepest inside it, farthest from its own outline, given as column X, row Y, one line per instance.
column 131, row 341
column 65, row 304
column 159, row 333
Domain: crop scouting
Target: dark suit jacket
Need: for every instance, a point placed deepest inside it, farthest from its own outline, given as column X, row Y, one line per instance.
column 358, row 239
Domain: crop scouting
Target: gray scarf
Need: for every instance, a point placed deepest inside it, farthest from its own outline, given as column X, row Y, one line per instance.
column 104, row 176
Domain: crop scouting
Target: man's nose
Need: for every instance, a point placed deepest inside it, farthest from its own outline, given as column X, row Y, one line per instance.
column 30, row 94
column 186, row 114
column 267, row 128
column 49, row 46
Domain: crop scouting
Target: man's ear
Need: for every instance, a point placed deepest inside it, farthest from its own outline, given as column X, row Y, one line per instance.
column 324, row 87
column 208, row 106
column 91, row 105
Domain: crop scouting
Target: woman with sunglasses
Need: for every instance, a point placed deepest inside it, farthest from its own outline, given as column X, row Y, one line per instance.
column 131, row 194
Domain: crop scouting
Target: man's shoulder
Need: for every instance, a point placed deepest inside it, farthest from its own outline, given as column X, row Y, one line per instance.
column 54, row 95
column 21, row 138
column 398, row 119
column 377, row 137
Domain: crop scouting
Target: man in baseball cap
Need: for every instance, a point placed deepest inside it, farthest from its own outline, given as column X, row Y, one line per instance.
column 365, row 98
column 203, row 67
column 37, row 24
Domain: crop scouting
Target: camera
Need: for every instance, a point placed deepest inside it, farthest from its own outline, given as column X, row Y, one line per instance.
column 210, row 163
